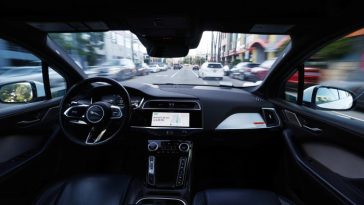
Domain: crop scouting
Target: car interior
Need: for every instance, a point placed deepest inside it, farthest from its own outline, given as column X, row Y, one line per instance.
column 103, row 141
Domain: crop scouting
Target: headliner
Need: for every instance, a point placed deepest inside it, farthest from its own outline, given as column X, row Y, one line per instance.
column 173, row 28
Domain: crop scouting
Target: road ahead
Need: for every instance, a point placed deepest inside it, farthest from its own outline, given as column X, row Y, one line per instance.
column 182, row 76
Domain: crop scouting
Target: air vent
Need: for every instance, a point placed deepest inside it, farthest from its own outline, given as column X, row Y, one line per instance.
column 171, row 104
column 271, row 118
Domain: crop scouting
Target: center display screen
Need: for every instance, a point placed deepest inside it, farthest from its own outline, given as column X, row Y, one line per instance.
column 170, row 119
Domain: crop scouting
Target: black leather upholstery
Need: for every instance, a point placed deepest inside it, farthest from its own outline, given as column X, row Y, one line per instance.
column 87, row 190
column 238, row 197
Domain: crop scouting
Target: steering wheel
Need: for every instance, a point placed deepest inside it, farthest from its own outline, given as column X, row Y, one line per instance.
column 93, row 123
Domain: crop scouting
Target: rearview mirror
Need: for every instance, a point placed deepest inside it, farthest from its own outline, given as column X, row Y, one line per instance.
column 18, row 92
column 328, row 98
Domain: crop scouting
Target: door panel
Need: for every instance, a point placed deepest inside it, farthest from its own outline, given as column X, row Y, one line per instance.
column 28, row 154
column 323, row 167
column 337, row 159
column 26, row 135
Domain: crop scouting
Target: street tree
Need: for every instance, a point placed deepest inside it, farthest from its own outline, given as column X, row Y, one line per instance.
column 82, row 45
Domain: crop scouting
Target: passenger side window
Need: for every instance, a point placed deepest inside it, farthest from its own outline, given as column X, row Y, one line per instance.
column 341, row 65
column 21, row 77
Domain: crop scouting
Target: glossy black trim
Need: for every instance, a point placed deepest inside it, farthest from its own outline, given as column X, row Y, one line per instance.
column 301, row 83
column 46, row 83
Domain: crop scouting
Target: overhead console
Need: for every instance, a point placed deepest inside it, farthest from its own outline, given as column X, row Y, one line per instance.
column 168, row 117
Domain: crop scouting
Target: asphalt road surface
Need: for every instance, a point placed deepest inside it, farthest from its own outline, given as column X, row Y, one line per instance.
column 182, row 76
column 189, row 76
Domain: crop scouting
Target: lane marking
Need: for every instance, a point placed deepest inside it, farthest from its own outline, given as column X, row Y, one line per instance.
column 347, row 116
column 194, row 73
column 172, row 76
column 161, row 75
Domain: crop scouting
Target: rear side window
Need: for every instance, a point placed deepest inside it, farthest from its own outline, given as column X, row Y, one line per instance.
column 214, row 65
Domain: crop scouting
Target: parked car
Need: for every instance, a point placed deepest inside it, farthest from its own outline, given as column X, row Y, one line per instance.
column 177, row 66
column 154, row 68
column 118, row 69
column 195, row 67
column 311, row 77
column 142, row 69
column 258, row 73
column 162, row 67
column 239, row 70
column 211, row 70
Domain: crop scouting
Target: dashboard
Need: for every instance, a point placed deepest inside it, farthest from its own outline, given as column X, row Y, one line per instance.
column 183, row 110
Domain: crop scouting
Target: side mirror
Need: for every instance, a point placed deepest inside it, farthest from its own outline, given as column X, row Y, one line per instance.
column 328, row 98
column 18, row 92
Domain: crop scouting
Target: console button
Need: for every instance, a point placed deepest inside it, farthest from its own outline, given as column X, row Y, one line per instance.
column 151, row 170
column 152, row 146
column 184, row 147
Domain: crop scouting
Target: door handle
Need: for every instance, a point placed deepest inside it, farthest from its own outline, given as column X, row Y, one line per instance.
column 28, row 122
column 313, row 129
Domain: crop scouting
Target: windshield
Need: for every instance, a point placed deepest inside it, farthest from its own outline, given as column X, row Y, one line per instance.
column 100, row 54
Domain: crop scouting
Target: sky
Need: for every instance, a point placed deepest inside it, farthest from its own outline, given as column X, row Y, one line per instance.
column 204, row 46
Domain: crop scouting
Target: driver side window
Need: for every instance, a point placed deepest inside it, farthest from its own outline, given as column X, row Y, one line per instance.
column 21, row 77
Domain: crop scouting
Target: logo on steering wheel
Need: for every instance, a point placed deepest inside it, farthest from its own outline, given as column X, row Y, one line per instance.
column 95, row 113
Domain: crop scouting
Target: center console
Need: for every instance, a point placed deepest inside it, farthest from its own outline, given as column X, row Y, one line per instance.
column 167, row 179
column 168, row 163
column 168, row 172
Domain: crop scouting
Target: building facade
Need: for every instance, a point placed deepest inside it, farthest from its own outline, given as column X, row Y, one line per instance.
column 122, row 44
column 234, row 47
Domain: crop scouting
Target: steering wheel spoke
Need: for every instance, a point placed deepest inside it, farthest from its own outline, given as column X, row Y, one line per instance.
column 95, row 135
column 76, row 114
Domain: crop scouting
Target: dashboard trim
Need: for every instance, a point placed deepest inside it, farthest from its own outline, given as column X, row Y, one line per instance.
column 167, row 128
column 255, row 128
column 166, row 100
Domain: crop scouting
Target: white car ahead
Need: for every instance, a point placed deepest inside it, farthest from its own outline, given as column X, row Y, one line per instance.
column 211, row 70
column 154, row 68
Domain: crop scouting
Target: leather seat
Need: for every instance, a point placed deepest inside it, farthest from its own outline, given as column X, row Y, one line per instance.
column 87, row 190
column 238, row 197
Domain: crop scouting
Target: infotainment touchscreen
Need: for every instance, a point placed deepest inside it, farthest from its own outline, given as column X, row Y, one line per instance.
column 170, row 119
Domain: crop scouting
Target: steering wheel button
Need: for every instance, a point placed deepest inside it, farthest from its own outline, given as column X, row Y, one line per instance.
column 116, row 112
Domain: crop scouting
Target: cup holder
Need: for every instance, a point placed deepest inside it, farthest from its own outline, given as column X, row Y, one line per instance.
column 160, row 201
